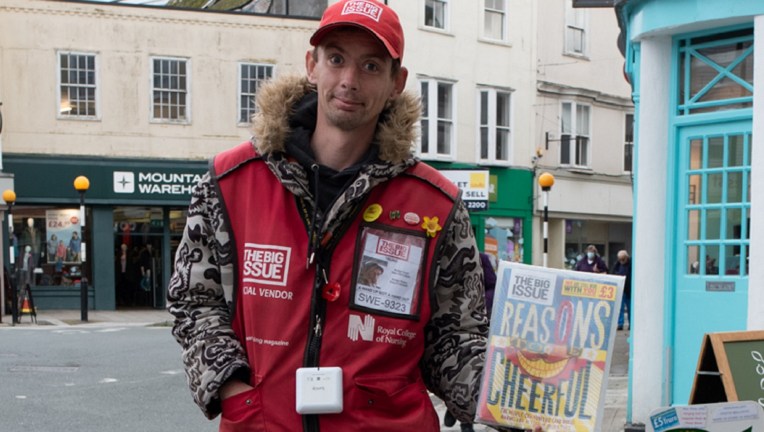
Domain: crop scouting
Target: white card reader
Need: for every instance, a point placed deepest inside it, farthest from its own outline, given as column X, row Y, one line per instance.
column 319, row 390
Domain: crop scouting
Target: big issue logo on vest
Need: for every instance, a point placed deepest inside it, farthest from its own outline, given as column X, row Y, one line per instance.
column 266, row 264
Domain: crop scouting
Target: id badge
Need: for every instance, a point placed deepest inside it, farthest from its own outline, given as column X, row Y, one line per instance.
column 388, row 272
column 319, row 390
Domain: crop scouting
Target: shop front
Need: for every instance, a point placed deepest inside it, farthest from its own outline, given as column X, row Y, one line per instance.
column 135, row 214
column 503, row 226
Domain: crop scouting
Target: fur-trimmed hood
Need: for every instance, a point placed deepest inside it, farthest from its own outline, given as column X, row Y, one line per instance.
column 396, row 132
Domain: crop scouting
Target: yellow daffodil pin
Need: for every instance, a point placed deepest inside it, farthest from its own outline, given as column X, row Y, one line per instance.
column 431, row 226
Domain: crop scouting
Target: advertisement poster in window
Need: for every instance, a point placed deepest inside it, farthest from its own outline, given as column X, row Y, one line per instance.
column 550, row 348
column 64, row 236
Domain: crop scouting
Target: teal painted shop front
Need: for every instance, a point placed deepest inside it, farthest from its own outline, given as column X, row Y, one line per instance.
column 690, row 63
column 712, row 131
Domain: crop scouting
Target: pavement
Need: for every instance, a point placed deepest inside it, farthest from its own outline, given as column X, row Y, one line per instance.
column 614, row 419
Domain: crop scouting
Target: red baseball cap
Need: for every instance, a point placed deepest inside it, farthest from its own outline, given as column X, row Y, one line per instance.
column 370, row 15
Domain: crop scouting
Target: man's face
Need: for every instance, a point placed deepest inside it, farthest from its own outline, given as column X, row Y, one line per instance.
column 352, row 73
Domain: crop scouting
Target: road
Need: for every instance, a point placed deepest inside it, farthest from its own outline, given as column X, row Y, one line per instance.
column 99, row 378
column 118, row 378
column 85, row 378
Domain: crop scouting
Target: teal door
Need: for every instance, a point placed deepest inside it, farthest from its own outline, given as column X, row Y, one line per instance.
column 710, row 292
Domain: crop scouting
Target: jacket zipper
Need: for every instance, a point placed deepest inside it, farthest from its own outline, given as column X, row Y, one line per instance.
column 315, row 336
column 318, row 304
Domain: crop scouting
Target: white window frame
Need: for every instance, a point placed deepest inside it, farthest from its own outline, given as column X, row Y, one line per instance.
column 574, row 133
column 491, row 125
column 430, row 113
column 504, row 38
column 187, row 91
column 63, row 106
column 270, row 68
column 446, row 15
column 626, row 142
column 576, row 20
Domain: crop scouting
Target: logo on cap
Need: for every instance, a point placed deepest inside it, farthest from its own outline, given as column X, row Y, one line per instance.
column 365, row 8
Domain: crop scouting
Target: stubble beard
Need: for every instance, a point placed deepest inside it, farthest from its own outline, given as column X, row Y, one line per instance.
column 347, row 120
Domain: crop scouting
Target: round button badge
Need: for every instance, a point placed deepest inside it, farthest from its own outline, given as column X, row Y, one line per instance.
column 372, row 212
column 411, row 218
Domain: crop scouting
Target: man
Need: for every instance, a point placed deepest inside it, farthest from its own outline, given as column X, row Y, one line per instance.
column 263, row 292
column 622, row 267
column 592, row 262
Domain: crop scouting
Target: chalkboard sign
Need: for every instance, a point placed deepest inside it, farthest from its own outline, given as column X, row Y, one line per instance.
column 730, row 368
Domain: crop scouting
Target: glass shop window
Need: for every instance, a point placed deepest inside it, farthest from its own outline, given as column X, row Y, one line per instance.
column 48, row 246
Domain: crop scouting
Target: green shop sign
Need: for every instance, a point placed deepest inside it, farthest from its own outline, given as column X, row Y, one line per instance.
column 112, row 181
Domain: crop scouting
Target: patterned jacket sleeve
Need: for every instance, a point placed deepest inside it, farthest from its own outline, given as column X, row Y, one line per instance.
column 457, row 332
column 211, row 352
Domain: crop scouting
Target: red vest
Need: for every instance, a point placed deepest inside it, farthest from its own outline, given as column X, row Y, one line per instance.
column 375, row 333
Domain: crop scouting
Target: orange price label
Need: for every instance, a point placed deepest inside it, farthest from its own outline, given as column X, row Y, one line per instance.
column 577, row 288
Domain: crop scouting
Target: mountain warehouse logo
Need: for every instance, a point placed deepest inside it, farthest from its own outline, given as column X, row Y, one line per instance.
column 266, row 264
column 124, row 182
column 155, row 183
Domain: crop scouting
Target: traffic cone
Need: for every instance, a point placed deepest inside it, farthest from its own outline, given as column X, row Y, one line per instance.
column 25, row 306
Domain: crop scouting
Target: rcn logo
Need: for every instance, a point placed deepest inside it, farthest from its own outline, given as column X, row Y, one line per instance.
column 124, row 182
column 364, row 329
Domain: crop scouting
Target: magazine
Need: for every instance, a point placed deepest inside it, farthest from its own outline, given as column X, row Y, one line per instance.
column 549, row 348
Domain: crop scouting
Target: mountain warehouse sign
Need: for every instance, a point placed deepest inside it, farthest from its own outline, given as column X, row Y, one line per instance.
column 112, row 181
column 154, row 183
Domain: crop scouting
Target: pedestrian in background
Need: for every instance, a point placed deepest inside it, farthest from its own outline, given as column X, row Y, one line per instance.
column 592, row 262
column 622, row 267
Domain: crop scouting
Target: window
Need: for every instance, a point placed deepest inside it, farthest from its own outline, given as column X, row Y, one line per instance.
column 715, row 72
column 436, row 14
column 504, row 240
column 78, row 86
column 718, row 203
column 628, row 143
column 50, row 246
column 495, row 125
column 574, row 141
column 495, row 20
column 170, row 89
column 251, row 77
column 575, row 30
column 437, row 122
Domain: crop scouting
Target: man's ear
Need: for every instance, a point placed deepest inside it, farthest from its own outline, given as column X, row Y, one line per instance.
column 400, row 82
column 310, row 65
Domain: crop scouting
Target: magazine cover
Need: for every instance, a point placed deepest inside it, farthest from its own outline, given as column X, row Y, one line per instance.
column 549, row 348
column 744, row 416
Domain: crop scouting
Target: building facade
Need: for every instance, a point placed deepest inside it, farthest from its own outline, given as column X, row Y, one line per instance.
column 473, row 65
column 583, row 118
column 698, row 85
